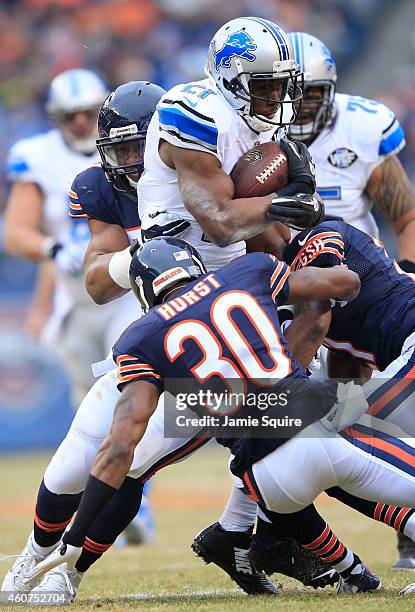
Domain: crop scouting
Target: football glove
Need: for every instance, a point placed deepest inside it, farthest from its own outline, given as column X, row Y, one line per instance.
column 301, row 171
column 350, row 406
column 407, row 266
column 70, row 257
column 300, row 211
column 162, row 224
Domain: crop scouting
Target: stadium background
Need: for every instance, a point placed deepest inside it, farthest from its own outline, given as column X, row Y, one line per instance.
column 164, row 41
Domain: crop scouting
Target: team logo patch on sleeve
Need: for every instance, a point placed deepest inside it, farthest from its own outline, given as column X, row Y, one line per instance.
column 238, row 44
column 342, row 158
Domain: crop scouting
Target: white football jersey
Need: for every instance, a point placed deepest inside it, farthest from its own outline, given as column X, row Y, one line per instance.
column 193, row 116
column 346, row 152
column 46, row 160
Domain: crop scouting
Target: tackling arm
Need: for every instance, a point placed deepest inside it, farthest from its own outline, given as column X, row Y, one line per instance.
column 311, row 284
column 133, row 410
column 105, row 240
column 392, row 191
column 307, row 331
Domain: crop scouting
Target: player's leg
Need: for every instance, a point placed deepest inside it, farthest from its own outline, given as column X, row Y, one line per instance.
column 390, row 397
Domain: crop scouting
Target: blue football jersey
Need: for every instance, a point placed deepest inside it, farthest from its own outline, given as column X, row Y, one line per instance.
column 374, row 326
column 222, row 330
column 92, row 196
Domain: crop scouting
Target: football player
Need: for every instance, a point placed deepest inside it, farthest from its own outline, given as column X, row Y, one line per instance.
column 354, row 143
column 195, row 331
column 37, row 226
column 113, row 273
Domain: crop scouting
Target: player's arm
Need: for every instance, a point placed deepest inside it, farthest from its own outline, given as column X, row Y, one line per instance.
column 106, row 242
column 348, row 368
column 393, row 193
column 22, row 222
column 311, row 284
column 42, row 301
column 208, row 192
column 273, row 240
column 133, row 410
column 307, row 331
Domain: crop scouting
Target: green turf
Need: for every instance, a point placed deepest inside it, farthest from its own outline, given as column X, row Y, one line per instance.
column 167, row 576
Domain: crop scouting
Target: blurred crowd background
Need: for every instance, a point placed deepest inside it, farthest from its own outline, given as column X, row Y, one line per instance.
column 165, row 41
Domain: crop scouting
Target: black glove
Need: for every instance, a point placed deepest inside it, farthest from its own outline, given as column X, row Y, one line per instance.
column 301, row 172
column 163, row 224
column 407, row 266
column 300, row 211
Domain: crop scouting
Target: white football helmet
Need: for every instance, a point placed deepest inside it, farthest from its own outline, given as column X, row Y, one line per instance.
column 245, row 59
column 319, row 70
column 76, row 91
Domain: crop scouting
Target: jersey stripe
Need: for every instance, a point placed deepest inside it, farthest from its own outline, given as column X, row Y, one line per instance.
column 348, row 347
column 278, row 277
column 132, row 368
column 174, row 120
column 329, row 242
column 393, row 140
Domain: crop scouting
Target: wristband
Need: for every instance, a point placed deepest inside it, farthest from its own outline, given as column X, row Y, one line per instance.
column 50, row 247
column 119, row 268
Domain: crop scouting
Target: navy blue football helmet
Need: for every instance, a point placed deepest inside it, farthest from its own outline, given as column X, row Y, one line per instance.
column 158, row 265
column 122, row 127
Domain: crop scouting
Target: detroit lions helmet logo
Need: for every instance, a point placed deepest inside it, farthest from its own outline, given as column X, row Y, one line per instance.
column 328, row 58
column 238, row 44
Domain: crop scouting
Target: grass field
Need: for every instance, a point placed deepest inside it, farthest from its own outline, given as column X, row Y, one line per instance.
column 168, row 576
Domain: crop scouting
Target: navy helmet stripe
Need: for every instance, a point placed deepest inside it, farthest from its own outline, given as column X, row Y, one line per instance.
column 278, row 35
column 282, row 47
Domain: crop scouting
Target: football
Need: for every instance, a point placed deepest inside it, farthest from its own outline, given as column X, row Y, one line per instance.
column 260, row 171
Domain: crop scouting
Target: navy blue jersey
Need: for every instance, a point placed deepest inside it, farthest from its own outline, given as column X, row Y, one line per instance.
column 374, row 326
column 222, row 329
column 92, row 196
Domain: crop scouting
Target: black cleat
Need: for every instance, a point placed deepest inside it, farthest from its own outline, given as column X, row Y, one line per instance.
column 406, row 549
column 288, row 557
column 229, row 550
column 360, row 580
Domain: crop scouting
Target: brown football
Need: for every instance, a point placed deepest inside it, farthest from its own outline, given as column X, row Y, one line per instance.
column 260, row 171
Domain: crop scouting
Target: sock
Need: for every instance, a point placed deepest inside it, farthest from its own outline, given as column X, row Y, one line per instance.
column 116, row 515
column 312, row 531
column 267, row 533
column 399, row 518
column 53, row 514
column 96, row 495
column 239, row 513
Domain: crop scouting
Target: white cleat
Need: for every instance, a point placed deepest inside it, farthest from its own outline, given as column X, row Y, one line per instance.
column 62, row 583
column 16, row 579
column 65, row 553
column 408, row 590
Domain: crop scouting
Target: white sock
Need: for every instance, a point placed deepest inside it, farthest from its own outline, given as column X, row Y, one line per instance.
column 239, row 513
column 40, row 550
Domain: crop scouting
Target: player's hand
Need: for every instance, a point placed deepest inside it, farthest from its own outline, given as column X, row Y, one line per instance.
column 301, row 171
column 300, row 211
column 70, row 257
column 350, row 406
column 162, row 224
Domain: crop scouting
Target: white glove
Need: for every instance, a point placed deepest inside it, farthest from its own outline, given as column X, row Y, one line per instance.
column 70, row 258
column 119, row 267
column 350, row 406
column 162, row 223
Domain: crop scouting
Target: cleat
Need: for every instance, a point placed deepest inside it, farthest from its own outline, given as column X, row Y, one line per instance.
column 62, row 582
column 360, row 580
column 406, row 548
column 408, row 590
column 289, row 558
column 229, row 550
column 16, row 579
column 64, row 553
column 141, row 530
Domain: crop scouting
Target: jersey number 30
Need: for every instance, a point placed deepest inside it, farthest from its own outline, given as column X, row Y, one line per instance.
column 245, row 363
